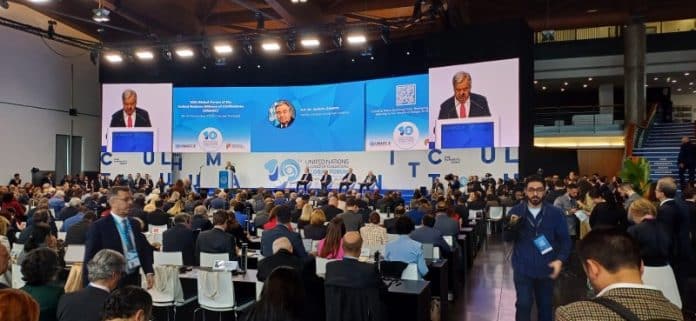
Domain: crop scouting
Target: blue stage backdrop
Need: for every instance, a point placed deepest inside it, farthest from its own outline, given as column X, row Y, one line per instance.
column 396, row 113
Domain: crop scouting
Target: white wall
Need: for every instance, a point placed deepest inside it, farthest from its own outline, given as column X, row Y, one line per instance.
column 684, row 100
column 32, row 74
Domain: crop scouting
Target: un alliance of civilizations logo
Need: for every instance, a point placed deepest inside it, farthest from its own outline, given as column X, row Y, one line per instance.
column 283, row 172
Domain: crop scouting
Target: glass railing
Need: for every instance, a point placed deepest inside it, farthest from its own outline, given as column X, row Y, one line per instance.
column 590, row 119
column 604, row 32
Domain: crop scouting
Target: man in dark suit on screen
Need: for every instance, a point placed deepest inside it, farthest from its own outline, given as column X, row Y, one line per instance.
column 464, row 103
column 305, row 180
column 130, row 116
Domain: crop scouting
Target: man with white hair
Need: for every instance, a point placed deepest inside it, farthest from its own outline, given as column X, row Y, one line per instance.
column 464, row 103
column 282, row 256
column 57, row 202
column 71, row 210
column 105, row 271
column 130, row 116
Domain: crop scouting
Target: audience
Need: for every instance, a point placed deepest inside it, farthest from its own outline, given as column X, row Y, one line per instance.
column 129, row 303
column 200, row 221
column 606, row 214
column 282, row 229
column 40, row 238
column 77, row 233
column 105, row 271
column 39, row 270
column 389, row 223
column 331, row 210
column 4, row 265
column 331, row 246
column 18, row 305
column 427, row 234
column 372, row 233
column 180, row 238
column 282, row 256
column 282, row 297
column 443, row 222
column 612, row 261
column 217, row 240
column 352, row 220
column 404, row 249
column 69, row 211
column 316, row 230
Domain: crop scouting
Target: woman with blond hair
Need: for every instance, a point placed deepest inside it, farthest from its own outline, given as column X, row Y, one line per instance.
column 316, row 230
column 305, row 216
column 654, row 243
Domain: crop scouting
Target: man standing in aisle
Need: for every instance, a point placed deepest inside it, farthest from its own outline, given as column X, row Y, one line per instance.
column 686, row 161
column 541, row 245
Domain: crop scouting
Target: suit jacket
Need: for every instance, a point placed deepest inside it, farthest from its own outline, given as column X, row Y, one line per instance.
column 215, row 241
column 429, row 235
column 446, row 225
column 84, row 305
column 331, row 212
column 281, row 258
column 142, row 119
column 281, row 231
column 353, row 274
column 201, row 223
column 67, row 212
column 326, row 180
column 352, row 221
column 687, row 155
column 350, row 177
column 103, row 234
column 370, row 179
column 675, row 219
column 478, row 107
column 353, row 291
column 77, row 233
column 180, row 239
column 646, row 304
column 306, row 177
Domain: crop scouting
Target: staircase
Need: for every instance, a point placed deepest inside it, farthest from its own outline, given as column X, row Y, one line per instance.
column 661, row 148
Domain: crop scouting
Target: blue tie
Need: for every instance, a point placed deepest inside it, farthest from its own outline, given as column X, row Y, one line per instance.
column 125, row 235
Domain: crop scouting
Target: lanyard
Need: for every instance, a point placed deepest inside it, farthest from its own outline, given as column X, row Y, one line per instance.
column 530, row 219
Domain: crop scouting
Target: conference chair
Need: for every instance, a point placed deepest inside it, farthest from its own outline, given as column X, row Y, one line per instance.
column 61, row 235
column 208, row 259
column 495, row 217
column 320, row 265
column 307, row 243
column 74, row 253
column 168, row 258
column 59, row 224
column 410, row 272
column 156, row 232
column 216, row 294
column 167, row 291
column 428, row 250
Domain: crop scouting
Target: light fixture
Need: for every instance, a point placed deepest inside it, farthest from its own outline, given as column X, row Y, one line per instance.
column 223, row 48
column 679, row 89
column 668, row 79
column 144, row 55
column 100, row 14
column 565, row 83
column 39, row 1
column 592, row 11
column 543, row 87
column 584, row 85
column 408, row 53
column 686, row 73
column 356, row 39
column 589, row 79
column 536, row 82
column 299, row 1
column 691, row 83
column 310, row 42
column 562, row 89
column 113, row 57
column 258, row 66
column 656, row 78
column 674, row 81
column 184, row 52
column 270, row 46
column 4, row 4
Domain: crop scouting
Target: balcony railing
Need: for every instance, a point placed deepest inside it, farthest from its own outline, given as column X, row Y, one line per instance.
column 604, row 32
column 590, row 119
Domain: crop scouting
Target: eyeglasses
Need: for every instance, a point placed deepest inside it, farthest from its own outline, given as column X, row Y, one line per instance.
column 536, row 190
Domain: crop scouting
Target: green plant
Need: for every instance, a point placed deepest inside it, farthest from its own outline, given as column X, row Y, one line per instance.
column 637, row 172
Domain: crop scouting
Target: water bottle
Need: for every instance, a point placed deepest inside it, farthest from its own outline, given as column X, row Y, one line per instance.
column 243, row 261
column 379, row 270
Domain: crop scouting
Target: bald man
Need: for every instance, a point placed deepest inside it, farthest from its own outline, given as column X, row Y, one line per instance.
column 350, row 272
column 4, row 263
column 282, row 256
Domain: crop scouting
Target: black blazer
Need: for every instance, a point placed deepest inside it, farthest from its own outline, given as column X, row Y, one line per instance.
column 478, row 107
column 103, row 234
column 180, row 239
column 77, row 233
column 653, row 240
column 281, row 258
column 606, row 215
column 142, row 118
column 315, row 232
column 675, row 219
column 84, row 305
column 326, row 180
column 158, row 217
column 215, row 241
column 331, row 212
column 306, row 177
column 370, row 179
column 353, row 291
column 281, row 231
column 201, row 223
column 66, row 213
column 350, row 177
column 687, row 155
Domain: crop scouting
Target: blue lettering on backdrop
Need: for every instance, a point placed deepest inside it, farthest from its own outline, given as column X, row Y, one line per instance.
column 433, row 177
column 379, row 182
column 391, row 158
column 413, row 168
column 106, row 159
column 431, row 159
column 150, row 160
column 174, row 161
column 508, row 159
column 209, row 159
column 483, row 155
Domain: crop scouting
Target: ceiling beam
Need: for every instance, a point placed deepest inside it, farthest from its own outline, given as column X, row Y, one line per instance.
column 237, row 16
column 298, row 14
column 356, row 6
column 134, row 18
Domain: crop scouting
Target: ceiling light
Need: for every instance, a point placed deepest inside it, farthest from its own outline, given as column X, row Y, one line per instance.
column 223, row 49
column 113, row 58
column 589, row 79
column 270, row 46
column 584, row 85
column 536, row 82
column 565, row 83
column 184, row 53
column 543, row 87
column 592, row 11
column 656, row 78
column 100, row 15
column 668, row 79
column 299, row 1
column 562, row 89
column 39, row 1
column 356, row 39
column 674, row 81
column 310, row 42
column 686, row 74
column 691, row 83
column 679, row 89
column 144, row 55
column 4, row 4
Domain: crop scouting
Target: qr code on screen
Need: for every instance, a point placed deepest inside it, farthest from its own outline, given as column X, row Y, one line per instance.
column 406, row 94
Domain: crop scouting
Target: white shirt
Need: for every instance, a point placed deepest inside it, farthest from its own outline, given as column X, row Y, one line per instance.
column 625, row 285
column 94, row 285
column 119, row 220
column 665, row 201
column 466, row 105
column 125, row 118
column 534, row 211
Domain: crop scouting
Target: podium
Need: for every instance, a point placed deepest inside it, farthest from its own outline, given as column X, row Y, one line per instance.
column 131, row 140
column 214, row 177
column 473, row 132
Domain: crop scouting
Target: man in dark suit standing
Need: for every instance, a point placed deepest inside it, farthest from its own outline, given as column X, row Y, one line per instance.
column 686, row 161
column 325, row 181
column 369, row 180
column 180, row 238
column 217, row 240
column 121, row 233
column 282, row 256
column 464, row 103
column 77, row 233
column 283, row 229
column 304, row 180
column 87, row 304
column 130, row 116
column 347, row 180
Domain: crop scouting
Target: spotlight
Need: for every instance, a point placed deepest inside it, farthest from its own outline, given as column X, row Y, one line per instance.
column 674, row 81
column 310, row 42
column 548, row 35
column 298, row 1
column 270, row 46
column 39, row 1
column 4, row 4
column 691, row 83
column 562, row 89
column 686, row 74
column 543, row 87
column 565, row 83
column 679, row 89
column 384, row 34
column 94, row 56
column 584, row 85
column 656, row 78
column 167, row 54
column 291, row 41
column 356, row 39
column 223, row 49
column 536, row 82
column 337, row 39
column 144, row 54
column 51, row 28
column 247, row 47
column 260, row 20
column 101, row 15
column 589, row 79
column 113, row 57
column 184, row 52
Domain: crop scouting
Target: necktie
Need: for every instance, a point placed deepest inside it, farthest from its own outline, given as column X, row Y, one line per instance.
column 462, row 111
column 130, row 121
column 125, row 235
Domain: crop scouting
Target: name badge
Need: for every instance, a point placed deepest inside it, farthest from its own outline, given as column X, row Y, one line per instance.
column 132, row 261
column 542, row 244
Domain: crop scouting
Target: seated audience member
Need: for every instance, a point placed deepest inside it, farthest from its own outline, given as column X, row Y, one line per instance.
column 352, row 287
column 475, row 201
column 389, row 223
column 40, row 238
column 443, row 222
column 606, row 214
column 18, row 305
column 9, row 201
column 461, row 210
column 105, row 270
column 654, row 244
column 416, row 214
column 155, row 215
column 40, row 216
column 427, row 234
column 282, row 256
column 239, row 215
column 404, row 249
column 220, row 201
column 39, row 269
column 73, row 219
column 129, row 303
column 4, row 232
column 200, row 219
column 612, row 262
column 217, row 240
column 331, row 210
column 69, row 211
column 262, row 216
column 331, row 246
column 282, row 297
column 273, row 218
column 316, row 230
column 77, row 233
column 305, row 216
column 180, row 238
column 236, row 229
column 351, row 218
column 282, row 229
column 137, row 209
column 374, row 235
column 4, row 264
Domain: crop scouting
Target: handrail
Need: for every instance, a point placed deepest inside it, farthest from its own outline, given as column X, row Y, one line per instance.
column 629, row 138
column 642, row 129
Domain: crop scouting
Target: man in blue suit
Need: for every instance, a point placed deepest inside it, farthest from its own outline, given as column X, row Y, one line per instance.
column 121, row 233
column 283, row 229
column 464, row 103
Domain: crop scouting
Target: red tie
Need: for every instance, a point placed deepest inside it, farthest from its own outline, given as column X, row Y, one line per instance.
column 462, row 111
column 130, row 121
